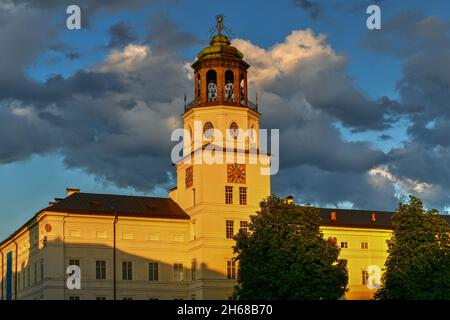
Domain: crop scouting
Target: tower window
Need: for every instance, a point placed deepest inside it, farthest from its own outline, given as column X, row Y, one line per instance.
column 199, row 83
column 230, row 229
column 228, row 195
column 243, row 196
column 231, row 269
column 229, row 86
column 208, row 130
column 234, row 130
column 242, row 89
column 211, row 81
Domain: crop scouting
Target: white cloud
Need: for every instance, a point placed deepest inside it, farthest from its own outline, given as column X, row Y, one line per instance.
column 129, row 59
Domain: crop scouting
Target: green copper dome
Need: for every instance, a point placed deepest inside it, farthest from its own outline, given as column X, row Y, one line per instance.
column 220, row 47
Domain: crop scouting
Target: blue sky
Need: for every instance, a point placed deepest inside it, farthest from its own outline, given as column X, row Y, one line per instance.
column 31, row 180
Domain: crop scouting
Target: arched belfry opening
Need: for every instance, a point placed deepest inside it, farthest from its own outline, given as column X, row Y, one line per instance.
column 220, row 74
column 229, row 86
column 211, row 83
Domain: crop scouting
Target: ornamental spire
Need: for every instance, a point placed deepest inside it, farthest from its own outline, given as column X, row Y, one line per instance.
column 219, row 28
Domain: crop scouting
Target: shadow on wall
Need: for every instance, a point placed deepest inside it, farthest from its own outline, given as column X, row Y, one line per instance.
column 141, row 275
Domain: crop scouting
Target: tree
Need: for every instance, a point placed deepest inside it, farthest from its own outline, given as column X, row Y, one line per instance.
column 418, row 265
column 284, row 256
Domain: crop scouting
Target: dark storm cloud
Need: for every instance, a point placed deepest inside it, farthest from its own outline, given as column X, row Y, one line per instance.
column 312, row 185
column 121, row 34
column 423, row 45
column 165, row 35
column 110, row 120
column 409, row 33
column 72, row 55
column 114, row 119
column 325, row 9
column 313, row 8
column 88, row 7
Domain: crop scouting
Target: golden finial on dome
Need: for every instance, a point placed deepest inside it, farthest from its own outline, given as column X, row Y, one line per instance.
column 219, row 28
column 219, row 18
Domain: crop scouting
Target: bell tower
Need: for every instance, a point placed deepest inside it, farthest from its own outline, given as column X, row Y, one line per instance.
column 219, row 194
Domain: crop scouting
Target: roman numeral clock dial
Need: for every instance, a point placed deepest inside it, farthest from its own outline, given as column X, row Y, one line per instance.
column 236, row 173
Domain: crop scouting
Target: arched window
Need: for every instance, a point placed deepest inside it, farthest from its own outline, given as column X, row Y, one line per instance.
column 208, row 130
column 211, row 82
column 199, row 84
column 234, row 130
column 229, row 86
column 190, row 136
column 242, row 88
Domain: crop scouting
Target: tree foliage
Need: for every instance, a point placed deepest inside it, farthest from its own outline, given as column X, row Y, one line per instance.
column 418, row 265
column 284, row 256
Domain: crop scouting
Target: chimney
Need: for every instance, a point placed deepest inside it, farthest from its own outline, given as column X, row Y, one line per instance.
column 71, row 191
column 333, row 216
column 374, row 217
column 289, row 200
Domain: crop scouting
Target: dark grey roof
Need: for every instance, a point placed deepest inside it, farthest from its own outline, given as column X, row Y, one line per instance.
column 109, row 204
column 360, row 218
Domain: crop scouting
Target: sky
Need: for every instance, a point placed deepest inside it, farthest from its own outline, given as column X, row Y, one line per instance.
column 364, row 115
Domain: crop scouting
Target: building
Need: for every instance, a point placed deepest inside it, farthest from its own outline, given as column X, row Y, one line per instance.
column 178, row 247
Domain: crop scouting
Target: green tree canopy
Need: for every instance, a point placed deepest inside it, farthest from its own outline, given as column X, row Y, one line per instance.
column 284, row 256
column 418, row 265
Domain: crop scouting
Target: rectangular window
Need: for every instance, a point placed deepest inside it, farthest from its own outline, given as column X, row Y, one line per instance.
column 74, row 298
column 127, row 270
column 228, row 195
column 231, row 269
column 153, row 271
column 364, row 245
column 127, row 298
column 230, row 229
column 100, row 269
column 35, row 273
column 178, row 272
column 74, row 262
column 365, row 277
column 23, row 278
column 244, row 226
column 193, row 269
column 100, row 298
column 243, row 196
column 344, row 245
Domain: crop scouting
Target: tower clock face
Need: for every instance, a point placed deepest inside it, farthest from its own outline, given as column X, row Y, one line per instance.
column 189, row 177
column 236, row 173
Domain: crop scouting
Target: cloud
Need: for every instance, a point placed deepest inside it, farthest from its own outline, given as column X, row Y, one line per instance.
column 296, row 96
column 113, row 119
column 306, row 64
column 314, row 9
column 121, row 34
column 422, row 43
column 165, row 35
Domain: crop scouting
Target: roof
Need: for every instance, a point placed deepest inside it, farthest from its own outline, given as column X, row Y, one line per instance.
column 109, row 204
column 359, row 218
column 220, row 47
